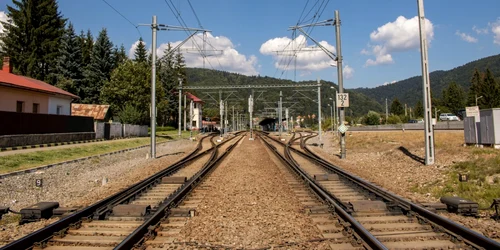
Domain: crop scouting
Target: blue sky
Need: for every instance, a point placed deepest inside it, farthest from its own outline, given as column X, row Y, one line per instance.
column 379, row 38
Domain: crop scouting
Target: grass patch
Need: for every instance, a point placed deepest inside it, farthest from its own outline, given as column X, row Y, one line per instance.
column 21, row 161
column 174, row 134
column 484, row 180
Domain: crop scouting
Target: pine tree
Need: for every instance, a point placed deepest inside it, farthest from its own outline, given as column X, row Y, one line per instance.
column 98, row 71
column 180, row 67
column 119, row 56
column 140, row 53
column 397, row 107
column 87, row 44
column 69, row 68
column 490, row 92
column 32, row 37
column 476, row 82
column 454, row 97
column 169, row 81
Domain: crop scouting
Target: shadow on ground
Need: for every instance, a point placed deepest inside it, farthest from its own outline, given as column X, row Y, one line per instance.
column 414, row 157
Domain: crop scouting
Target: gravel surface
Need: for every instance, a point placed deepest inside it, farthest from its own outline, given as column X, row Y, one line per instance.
column 378, row 158
column 82, row 183
column 250, row 206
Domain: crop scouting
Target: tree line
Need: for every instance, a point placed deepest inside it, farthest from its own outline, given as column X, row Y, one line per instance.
column 43, row 45
column 484, row 92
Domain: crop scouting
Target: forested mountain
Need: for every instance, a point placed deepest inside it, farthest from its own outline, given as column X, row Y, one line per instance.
column 409, row 91
column 300, row 102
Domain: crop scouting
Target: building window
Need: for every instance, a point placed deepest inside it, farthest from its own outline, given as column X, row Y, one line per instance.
column 20, row 106
column 35, row 108
column 59, row 110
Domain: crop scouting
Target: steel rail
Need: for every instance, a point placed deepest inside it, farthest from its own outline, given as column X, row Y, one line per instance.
column 452, row 227
column 360, row 231
column 44, row 234
column 139, row 235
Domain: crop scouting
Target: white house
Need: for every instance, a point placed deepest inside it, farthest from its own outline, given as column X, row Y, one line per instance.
column 196, row 122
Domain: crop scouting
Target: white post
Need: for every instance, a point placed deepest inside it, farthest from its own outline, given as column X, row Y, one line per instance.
column 319, row 111
column 429, row 129
column 153, row 91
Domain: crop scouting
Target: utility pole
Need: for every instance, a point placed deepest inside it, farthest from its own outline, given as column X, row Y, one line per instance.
column 237, row 120
column 428, row 126
column 180, row 106
column 232, row 117
column 185, row 115
column 226, row 122
column 386, row 111
column 331, row 116
column 279, row 115
column 436, row 112
column 406, row 114
column 319, row 111
column 154, row 28
column 286, row 118
column 191, row 114
column 341, row 83
column 250, row 110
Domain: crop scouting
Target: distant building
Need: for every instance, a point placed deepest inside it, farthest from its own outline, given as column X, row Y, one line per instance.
column 98, row 112
column 197, row 111
column 28, row 95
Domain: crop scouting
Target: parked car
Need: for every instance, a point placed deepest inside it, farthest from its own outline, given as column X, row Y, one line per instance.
column 416, row 121
column 448, row 117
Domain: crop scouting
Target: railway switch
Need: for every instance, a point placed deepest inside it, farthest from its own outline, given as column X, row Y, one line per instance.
column 132, row 210
column 3, row 210
column 41, row 210
column 326, row 177
column 174, row 180
column 460, row 205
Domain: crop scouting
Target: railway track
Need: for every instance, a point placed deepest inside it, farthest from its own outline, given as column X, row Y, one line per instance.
column 122, row 219
column 367, row 216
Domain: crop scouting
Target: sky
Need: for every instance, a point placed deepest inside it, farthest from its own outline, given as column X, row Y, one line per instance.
column 379, row 39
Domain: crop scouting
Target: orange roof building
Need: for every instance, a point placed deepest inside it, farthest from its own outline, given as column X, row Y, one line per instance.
column 24, row 94
column 98, row 112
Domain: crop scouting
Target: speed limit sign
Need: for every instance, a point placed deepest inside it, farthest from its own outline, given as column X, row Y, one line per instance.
column 342, row 100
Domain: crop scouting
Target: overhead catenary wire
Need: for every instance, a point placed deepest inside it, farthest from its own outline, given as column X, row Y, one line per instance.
column 317, row 14
column 124, row 17
column 181, row 21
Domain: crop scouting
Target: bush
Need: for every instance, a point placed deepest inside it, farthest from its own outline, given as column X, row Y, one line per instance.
column 131, row 115
column 372, row 118
column 394, row 119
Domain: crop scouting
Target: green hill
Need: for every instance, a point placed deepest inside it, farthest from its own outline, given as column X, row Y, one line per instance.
column 360, row 104
column 410, row 90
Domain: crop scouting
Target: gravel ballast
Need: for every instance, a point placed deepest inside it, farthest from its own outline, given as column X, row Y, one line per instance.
column 82, row 183
column 380, row 160
column 250, row 205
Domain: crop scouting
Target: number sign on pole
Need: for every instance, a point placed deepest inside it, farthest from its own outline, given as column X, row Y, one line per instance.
column 342, row 100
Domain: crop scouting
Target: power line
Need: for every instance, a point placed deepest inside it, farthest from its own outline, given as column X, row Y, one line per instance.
column 135, row 26
column 194, row 12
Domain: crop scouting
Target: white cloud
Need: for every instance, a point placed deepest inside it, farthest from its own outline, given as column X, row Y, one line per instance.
column 365, row 52
column 132, row 49
column 388, row 83
column 398, row 36
column 480, row 31
column 348, row 72
column 3, row 18
column 225, row 58
column 466, row 37
column 309, row 58
column 495, row 29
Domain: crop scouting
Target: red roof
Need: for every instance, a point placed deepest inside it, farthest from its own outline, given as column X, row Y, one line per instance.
column 193, row 97
column 23, row 82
